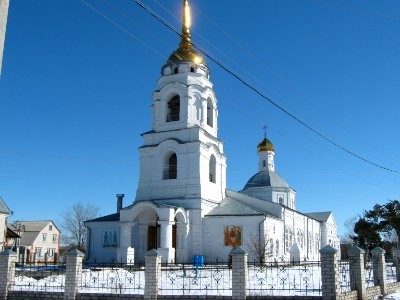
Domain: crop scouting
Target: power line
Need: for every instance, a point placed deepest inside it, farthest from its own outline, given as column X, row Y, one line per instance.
column 261, row 94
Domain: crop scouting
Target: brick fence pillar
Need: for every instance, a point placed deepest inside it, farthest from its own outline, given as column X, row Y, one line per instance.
column 239, row 273
column 152, row 274
column 357, row 272
column 330, row 273
column 7, row 271
column 379, row 265
column 73, row 274
column 396, row 261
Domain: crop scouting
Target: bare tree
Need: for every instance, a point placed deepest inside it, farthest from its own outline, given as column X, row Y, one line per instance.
column 261, row 246
column 74, row 231
column 349, row 227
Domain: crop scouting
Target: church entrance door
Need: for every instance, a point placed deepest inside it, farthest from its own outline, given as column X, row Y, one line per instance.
column 174, row 238
column 152, row 238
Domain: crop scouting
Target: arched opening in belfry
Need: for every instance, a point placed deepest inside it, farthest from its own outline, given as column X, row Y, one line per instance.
column 210, row 113
column 170, row 166
column 173, row 109
column 212, row 169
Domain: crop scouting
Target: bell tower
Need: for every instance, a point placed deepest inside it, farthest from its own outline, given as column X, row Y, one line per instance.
column 182, row 160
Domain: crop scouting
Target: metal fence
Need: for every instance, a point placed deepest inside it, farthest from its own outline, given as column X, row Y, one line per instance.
column 186, row 279
column 115, row 278
column 344, row 276
column 390, row 272
column 369, row 274
column 39, row 277
column 284, row 279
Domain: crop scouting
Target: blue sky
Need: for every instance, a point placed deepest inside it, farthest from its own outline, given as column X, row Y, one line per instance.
column 75, row 94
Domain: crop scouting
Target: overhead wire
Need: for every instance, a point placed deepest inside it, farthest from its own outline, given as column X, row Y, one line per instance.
column 261, row 94
column 261, row 62
column 223, row 53
column 159, row 54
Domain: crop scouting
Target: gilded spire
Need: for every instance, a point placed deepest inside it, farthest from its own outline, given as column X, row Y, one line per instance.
column 185, row 52
column 186, row 22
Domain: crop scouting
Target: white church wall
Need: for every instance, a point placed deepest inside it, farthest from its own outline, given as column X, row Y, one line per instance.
column 330, row 228
column 274, row 231
column 212, row 188
column 213, row 235
column 314, row 245
column 97, row 250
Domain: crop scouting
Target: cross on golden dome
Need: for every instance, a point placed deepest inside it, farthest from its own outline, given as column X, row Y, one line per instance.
column 265, row 144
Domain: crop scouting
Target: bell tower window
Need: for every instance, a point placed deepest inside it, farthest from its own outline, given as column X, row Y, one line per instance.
column 173, row 109
column 212, row 169
column 171, row 167
column 210, row 113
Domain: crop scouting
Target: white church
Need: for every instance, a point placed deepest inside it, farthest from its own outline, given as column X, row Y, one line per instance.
column 182, row 207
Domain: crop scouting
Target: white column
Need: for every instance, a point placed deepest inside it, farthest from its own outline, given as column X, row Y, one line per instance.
column 166, row 234
column 204, row 112
column 166, row 250
column 125, row 241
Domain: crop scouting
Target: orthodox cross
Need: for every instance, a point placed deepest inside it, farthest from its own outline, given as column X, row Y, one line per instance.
column 265, row 128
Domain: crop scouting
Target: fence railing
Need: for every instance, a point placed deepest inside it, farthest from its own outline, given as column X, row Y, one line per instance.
column 344, row 276
column 369, row 274
column 112, row 278
column 237, row 278
column 283, row 279
column 186, row 279
column 39, row 277
column 390, row 272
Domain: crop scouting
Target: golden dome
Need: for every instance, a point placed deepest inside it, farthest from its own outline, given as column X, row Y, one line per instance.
column 265, row 145
column 185, row 52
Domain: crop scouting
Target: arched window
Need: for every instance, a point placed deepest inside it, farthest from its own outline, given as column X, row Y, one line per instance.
column 192, row 69
column 264, row 163
column 173, row 109
column 175, row 70
column 212, row 168
column 171, row 167
column 210, row 113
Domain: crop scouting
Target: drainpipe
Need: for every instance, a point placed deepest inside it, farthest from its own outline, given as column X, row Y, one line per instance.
column 284, row 230
column 259, row 231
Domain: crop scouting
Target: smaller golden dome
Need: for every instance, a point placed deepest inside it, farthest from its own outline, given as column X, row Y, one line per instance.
column 265, row 145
